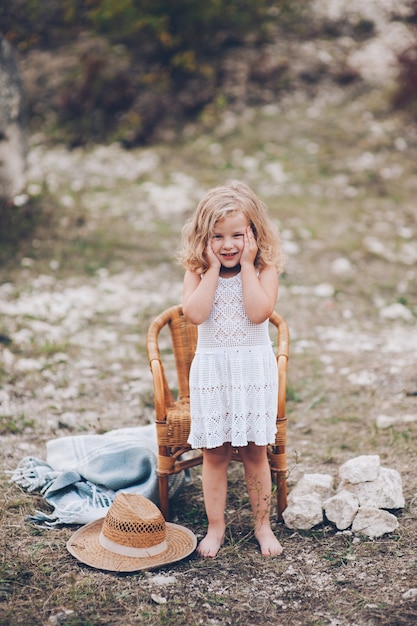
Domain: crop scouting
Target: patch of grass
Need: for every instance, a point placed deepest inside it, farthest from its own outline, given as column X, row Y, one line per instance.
column 18, row 225
column 49, row 349
column 10, row 424
column 339, row 558
column 293, row 394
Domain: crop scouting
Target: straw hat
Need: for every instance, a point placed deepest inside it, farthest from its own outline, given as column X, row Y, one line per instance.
column 133, row 536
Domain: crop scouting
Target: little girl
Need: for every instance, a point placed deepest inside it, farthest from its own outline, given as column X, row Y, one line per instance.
column 231, row 253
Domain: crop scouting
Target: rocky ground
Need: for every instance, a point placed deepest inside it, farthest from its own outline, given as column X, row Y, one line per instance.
column 337, row 172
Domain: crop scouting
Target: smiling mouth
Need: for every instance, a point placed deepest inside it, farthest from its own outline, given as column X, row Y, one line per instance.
column 229, row 255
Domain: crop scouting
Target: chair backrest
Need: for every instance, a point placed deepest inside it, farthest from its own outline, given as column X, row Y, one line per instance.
column 184, row 340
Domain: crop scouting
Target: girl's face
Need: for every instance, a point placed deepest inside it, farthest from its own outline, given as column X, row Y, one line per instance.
column 227, row 240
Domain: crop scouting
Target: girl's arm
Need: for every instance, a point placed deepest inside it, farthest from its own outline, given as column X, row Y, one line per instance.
column 260, row 292
column 198, row 292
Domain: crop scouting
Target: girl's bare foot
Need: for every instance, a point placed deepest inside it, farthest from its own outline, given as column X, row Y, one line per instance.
column 269, row 544
column 210, row 545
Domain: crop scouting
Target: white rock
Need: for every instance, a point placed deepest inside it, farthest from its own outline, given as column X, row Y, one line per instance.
column 4, row 397
column 373, row 522
column 324, row 290
column 410, row 594
column 68, row 420
column 409, row 418
column 341, row 509
column 341, row 266
column 59, row 617
column 8, row 358
column 305, row 508
column 376, row 59
column 290, row 247
column 162, row 579
column 365, row 378
column 158, row 599
column 304, row 513
column 385, row 492
column 385, row 421
column 397, row 311
column 28, row 365
column 312, row 484
column 360, row 469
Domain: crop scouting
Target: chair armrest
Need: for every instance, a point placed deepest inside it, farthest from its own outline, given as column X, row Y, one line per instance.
column 282, row 385
column 159, row 390
column 162, row 393
column 283, row 348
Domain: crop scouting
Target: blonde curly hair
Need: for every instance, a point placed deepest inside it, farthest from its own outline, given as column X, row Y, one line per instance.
column 221, row 202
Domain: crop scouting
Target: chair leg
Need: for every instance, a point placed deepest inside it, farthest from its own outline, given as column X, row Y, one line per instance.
column 281, row 483
column 163, row 496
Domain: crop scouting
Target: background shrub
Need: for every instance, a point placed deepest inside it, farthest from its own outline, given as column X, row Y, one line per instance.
column 128, row 63
column 405, row 96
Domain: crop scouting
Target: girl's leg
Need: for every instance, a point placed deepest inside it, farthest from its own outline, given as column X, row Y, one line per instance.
column 258, row 481
column 214, row 473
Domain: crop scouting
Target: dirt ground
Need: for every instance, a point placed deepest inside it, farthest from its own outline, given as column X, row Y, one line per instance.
column 338, row 174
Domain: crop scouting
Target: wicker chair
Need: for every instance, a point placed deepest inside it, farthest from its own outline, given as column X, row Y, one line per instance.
column 173, row 414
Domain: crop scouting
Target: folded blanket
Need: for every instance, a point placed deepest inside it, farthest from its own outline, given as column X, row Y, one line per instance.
column 83, row 473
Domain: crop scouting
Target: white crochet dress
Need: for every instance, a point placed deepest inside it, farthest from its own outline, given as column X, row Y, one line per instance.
column 233, row 376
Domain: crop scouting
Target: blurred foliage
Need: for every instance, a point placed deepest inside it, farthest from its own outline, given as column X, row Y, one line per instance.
column 150, row 59
column 94, row 94
column 19, row 224
column 179, row 26
column 132, row 66
column 34, row 23
column 405, row 96
column 170, row 26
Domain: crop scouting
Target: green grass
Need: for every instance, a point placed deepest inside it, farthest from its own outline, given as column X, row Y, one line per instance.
column 12, row 425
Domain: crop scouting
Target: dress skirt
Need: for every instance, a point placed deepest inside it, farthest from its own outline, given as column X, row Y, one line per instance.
column 233, row 396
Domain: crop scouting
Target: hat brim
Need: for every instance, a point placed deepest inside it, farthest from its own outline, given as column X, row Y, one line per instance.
column 85, row 546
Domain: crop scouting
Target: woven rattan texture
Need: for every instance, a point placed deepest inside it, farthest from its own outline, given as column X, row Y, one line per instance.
column 174, row 432
column 129, row 526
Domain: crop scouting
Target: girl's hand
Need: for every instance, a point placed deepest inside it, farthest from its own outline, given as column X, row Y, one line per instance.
column 212, row 259
column 250, row 247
